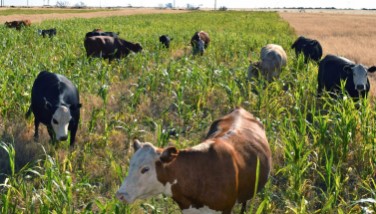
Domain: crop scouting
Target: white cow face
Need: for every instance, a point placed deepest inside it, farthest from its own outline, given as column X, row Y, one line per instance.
column 60, row 122
column 199, row 47
column 141, row 181
column 359, row 73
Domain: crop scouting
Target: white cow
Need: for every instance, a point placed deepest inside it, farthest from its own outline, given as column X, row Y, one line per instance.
column 273, row 58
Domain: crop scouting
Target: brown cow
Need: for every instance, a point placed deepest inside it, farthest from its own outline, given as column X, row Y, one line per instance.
column 200, row 41
column 109, row 47
column 208, row 178
column 18, row 24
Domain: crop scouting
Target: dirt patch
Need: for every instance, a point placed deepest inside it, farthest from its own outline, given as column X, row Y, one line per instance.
column 36, row 18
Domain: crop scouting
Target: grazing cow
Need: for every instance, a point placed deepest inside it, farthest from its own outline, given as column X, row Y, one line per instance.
column 165, row 40
column 55, row 103
column 273, row 58
column 99, row 32
column 109, row 47
column 209, row 177
column 334, row 69
column 50, row 32
column 311, row 49
column 200, row 41
column 18, row 24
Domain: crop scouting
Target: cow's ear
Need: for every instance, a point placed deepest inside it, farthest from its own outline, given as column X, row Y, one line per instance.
column 47, row 105
column 372, row 69
column 169, row 154
column 136, row 145
column 348, row 69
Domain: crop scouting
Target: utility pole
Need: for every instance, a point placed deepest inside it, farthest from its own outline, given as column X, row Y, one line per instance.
column 215, row 4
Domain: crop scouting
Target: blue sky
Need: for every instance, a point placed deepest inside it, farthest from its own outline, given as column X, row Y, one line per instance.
column 355, row 4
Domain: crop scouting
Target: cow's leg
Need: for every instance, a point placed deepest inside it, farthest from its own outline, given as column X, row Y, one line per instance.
column 73, row 130
column 51, row 133
column 244, row 206
column 36, row 125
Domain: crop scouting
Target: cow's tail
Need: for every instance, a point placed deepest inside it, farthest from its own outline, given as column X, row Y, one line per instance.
column 28, row 113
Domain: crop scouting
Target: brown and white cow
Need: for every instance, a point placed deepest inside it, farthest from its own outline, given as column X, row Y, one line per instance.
column 200, row 41
column 18, row 24
column 273, row 58
column 208, row 178
column 109, row 47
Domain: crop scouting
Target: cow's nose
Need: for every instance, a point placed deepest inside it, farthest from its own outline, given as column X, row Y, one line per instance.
column 121, row 196
column 63, row 138
column 360, row 87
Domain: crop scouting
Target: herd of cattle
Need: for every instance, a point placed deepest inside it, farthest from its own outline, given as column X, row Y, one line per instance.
column 236, row 145
column 332, row 69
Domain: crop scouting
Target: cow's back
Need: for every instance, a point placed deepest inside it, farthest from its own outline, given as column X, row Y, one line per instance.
column 246, row 135
column 204, row 37
column 273, row 58
column 96, row 45
column 45, row 88
column 274, row 54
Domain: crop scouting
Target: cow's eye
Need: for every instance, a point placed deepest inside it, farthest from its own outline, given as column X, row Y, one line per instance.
column 54, row 121
column 145, row 169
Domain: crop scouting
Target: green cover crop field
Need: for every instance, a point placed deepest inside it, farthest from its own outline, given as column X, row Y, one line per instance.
column 323, row 150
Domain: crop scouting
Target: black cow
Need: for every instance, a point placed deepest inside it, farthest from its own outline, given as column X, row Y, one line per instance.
column 165, row 40
column 109, row 47
column 311, row 49
column 334, row 69
column 55, row 103
column 99, row 32
column 50, row 32
column 200, row 41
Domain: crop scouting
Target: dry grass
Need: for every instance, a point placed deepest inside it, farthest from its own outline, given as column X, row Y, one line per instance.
column 348, row 35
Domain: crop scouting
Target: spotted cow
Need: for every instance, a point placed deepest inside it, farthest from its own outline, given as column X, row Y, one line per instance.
column 55, row 103
column 200, row 41
column 210, row 177
column 334, row 69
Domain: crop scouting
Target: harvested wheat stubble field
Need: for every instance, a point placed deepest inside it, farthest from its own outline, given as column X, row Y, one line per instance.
column 322, row 162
